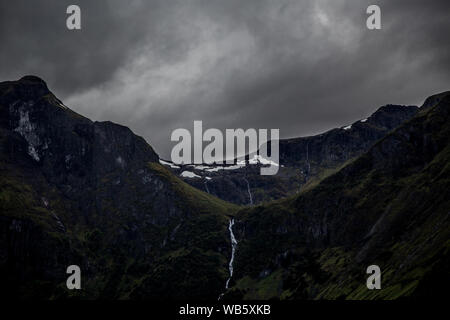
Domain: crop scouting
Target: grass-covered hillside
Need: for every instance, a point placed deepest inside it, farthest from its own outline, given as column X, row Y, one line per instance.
column 389, row 207
column 93, row 194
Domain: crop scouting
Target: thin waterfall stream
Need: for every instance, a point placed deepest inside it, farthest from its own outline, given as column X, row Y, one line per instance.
column 308, row 168
column 233, row 250
column 249, row 192
column 206, row 186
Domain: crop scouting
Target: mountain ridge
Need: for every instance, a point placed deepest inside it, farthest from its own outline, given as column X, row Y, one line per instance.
column 303, row 160
column 388, row 207
column 73, row 191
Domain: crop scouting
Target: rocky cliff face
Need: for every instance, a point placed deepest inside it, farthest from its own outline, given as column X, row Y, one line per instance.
column 389, row 207
column 73, row 191
column 303, row 161
column 336, row 146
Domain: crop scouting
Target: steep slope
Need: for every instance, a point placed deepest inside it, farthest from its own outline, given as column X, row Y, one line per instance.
column 303, row 161
column 389, row 207
column 73, row 191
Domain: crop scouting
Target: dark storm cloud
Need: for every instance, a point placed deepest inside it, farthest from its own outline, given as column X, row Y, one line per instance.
column 35, row 39
column 301, row 66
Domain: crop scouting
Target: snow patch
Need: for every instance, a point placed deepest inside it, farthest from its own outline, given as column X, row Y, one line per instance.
column 201, row 167
column 27, row 130
column 61, row 105
column 168, row 164
column 33, row 153
column 256, row 159
column 234, row 167
column 189, row 174
column 215, row 169
column 120, row 162
column 259, row 159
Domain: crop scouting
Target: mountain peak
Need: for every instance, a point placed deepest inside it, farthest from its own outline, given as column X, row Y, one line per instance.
column 34, row 81
column 28, row 87
column 434, row 99
column 32, row 78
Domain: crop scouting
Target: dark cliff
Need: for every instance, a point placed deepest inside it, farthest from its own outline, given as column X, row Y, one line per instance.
column 303, row 161
column 389, row 207
column 73, row 191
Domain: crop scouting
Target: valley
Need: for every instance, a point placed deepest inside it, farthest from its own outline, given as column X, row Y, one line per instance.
column 93, row 194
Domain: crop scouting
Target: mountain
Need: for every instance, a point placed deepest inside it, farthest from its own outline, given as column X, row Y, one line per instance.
column 93, row 194
column 389, row 207
column 303, row 161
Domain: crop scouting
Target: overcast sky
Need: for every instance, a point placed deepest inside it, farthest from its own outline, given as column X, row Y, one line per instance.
column 301, row 66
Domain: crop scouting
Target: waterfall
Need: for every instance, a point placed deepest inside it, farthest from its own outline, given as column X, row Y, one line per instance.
column 206, row 186
column 307, row 160
column 249, row 192
column 233, row 250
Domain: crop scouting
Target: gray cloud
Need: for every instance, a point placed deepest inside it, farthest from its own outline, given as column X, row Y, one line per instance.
column 301, row 66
